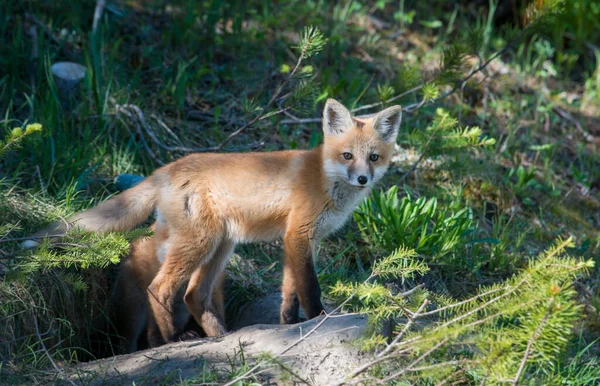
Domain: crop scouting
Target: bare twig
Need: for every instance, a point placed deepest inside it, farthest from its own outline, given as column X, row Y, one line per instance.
column 301, row 121
column 396, row 97
column 423, row 152
column 291, row 371
column 416, row 106
column 414, row 165
column 58, row 370
column 167, row 129
column 414, row 363
column 352, row 378
column 66, row 46
column 412, row 290
column 464, row 80
column 411, row 320
column 140, row 123
column 565, row 115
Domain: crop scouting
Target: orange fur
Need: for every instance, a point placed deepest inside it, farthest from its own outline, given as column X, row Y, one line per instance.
column 132, row 315
column 207, row 203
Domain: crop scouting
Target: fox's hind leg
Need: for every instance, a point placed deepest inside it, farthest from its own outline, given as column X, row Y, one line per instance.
column 218, row 301
column 183, row 257
column 203, row 297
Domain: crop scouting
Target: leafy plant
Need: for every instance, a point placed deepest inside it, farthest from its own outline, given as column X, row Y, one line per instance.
column 525, row 178
column 431, row 228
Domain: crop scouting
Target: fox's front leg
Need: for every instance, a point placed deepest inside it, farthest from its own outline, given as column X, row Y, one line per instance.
column 290, row 306
column 299, row 278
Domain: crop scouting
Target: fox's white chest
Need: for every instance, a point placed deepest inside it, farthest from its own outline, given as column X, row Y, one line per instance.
column 333, row 219
column 330, row 222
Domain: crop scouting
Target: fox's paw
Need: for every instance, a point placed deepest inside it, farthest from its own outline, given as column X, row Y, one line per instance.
column 290, row 311
column 289, row 317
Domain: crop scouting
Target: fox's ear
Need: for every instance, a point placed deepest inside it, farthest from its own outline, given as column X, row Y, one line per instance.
column 387, row 123
column 336, row 118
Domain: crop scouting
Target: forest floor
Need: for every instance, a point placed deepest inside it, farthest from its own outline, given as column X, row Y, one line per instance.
column 164, row 82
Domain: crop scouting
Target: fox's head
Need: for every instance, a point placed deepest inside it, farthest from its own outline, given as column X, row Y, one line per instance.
column 358, row 151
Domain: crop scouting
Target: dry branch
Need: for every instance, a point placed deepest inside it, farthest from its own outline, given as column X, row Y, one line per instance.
column 416, row 106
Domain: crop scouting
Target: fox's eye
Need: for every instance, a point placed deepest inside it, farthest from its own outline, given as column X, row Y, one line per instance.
column 347, row 155
column 374, row 157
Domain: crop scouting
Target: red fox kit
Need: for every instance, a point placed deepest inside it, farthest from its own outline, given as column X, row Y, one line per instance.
column 207, row 203
column 131, row 305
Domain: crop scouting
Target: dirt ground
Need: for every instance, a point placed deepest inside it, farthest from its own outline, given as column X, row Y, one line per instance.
column 323, row 357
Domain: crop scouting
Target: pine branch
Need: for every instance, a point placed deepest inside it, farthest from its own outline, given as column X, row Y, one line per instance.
column 382, row 356
column 515, row 300
column 411, row 320
column 461, row 303
column 17, row 134
column 386, row 380
column 530, row 343
column 489, row 302
column 438, row 365
column 313, row 42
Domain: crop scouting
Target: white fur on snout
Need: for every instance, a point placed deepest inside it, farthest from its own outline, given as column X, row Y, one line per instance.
column 379, row 172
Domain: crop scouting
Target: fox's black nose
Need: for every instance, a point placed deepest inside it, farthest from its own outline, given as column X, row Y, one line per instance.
column 362, row 180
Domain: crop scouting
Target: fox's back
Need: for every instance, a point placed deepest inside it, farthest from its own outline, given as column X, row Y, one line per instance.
column 252, row 194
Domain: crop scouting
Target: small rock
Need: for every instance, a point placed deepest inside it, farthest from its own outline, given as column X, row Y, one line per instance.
column 67, row 76
column 126, row 181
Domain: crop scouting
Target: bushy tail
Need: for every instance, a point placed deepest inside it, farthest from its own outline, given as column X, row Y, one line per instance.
column 121, row 212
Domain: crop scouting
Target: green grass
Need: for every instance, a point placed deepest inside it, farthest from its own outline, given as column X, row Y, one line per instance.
column 200, row 70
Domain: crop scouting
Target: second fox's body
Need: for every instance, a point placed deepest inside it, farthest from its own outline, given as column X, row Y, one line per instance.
column 208, row 203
